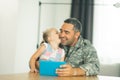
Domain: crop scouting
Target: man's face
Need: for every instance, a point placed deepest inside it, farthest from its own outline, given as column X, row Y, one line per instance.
column 67, row 34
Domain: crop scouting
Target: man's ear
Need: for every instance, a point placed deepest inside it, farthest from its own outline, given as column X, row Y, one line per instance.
column 77, row 34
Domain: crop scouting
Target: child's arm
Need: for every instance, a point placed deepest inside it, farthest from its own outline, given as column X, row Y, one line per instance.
column 34, row 58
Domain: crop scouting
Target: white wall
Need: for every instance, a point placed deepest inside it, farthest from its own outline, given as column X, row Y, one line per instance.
column 19, row 30
column 106, row 37
column 26, row 33
column 18, row 34
column 52, row 14
column 8, row 27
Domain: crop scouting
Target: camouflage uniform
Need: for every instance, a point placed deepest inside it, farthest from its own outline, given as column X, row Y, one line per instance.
column 84, row 56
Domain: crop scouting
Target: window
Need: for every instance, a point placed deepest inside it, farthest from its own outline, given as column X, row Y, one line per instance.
column 106, row 36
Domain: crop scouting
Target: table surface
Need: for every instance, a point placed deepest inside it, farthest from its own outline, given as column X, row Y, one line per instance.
column 36, row 76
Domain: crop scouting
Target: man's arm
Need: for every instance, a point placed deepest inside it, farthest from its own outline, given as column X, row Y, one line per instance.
column 91, row 67
column 91, row 62
column 78, row 72
column 67, row 70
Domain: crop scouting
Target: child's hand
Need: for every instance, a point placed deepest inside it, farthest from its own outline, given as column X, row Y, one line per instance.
column 34, row 70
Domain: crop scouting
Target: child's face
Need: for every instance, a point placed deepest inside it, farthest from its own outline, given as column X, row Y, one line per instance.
column 55, row 36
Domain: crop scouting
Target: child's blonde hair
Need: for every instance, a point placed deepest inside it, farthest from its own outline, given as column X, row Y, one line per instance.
column 46, row 34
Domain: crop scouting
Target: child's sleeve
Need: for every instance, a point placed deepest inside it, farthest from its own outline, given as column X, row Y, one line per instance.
column 46, row 45
column 63, row 53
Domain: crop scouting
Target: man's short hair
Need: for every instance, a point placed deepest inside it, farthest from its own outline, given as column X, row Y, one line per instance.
column 77, row 24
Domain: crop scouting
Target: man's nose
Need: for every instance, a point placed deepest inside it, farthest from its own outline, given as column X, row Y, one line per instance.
column 62, row 34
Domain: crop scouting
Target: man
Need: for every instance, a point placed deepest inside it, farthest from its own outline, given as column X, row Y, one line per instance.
column 81, row 56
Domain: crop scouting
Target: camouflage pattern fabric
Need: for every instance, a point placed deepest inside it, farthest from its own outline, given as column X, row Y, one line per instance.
column 83, row 55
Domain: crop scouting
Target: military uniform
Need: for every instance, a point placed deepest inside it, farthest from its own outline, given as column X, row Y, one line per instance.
column 83, row 55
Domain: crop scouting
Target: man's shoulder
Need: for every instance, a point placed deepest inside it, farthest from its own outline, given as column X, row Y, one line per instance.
column 84, row 42
column 87, row 45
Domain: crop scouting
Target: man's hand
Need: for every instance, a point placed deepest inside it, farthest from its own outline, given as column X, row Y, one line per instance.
column 65, row 70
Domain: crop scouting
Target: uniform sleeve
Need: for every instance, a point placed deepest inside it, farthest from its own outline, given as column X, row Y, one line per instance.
column 91, row 62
